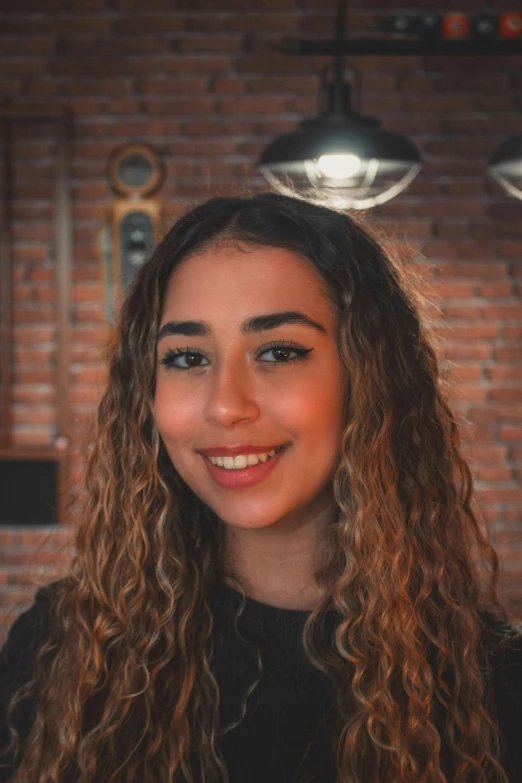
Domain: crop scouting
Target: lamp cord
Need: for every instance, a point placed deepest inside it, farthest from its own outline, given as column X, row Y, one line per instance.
column 340, row 29
column 339, row 66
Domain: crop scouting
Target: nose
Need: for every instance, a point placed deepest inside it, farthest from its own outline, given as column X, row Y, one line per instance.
column 231, row 397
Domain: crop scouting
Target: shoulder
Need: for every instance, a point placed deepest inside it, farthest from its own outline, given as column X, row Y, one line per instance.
column 503, row 644
column 26, row 635
column 30, row 627
column 17, row 662
column 501, row 639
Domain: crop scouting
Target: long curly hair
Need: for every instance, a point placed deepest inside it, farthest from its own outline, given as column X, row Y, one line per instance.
column 123, row 683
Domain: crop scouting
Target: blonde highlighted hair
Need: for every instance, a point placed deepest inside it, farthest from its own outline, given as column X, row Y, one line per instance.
column 123, row 684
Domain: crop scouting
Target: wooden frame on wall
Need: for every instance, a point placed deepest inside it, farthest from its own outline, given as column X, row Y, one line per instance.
column 61, row 119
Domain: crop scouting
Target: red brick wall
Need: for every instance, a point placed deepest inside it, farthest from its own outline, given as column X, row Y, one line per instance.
column 203, row 82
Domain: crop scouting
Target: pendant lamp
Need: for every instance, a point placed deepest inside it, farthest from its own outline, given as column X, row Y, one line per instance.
column 341, row 158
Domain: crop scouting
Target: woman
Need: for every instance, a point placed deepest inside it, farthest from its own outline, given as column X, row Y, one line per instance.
column 279, row 576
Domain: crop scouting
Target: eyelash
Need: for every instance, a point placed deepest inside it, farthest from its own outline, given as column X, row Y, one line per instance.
column 171, row 354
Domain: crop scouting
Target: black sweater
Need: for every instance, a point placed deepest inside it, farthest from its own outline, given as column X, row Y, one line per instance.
column 286, row 712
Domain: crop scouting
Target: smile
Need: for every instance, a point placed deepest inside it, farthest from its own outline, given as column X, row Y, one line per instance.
column 243, row 470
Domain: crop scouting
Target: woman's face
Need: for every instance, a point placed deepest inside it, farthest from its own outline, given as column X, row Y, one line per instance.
column 228, row 378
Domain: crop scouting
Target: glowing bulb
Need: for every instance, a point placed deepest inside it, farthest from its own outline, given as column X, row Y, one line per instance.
column 338, row 166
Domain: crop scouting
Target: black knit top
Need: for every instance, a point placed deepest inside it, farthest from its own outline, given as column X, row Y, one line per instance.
column 284, row 731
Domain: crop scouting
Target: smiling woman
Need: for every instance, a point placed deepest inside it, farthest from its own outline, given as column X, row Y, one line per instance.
column 279, row 576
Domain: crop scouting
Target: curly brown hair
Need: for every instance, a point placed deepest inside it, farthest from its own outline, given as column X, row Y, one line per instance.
column 123, row 683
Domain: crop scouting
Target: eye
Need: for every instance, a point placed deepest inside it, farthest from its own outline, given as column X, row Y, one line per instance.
column 169, row 359
column 282, row 350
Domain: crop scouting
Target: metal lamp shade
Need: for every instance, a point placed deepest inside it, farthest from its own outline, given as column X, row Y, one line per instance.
column 384, row 163
column 505, row 165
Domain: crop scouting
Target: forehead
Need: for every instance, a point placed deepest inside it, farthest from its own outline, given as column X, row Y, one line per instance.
column 249, row 278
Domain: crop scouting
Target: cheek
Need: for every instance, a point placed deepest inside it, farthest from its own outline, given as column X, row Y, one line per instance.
column 315, row 408
column 174, row 414
column 322, row 423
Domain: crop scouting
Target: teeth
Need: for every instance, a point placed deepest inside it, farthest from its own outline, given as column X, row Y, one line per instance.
column 241, row 461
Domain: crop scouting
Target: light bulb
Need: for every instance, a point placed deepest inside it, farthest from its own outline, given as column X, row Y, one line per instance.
column 338, row 166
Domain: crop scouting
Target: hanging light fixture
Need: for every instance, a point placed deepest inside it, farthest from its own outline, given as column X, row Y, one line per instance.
column 341, row 158
column 505, row 165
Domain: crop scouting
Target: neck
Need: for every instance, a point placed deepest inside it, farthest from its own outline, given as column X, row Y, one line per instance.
column 277, row 564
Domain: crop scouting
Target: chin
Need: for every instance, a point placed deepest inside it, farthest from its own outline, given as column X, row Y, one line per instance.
column 249, row 524
column 253, row 519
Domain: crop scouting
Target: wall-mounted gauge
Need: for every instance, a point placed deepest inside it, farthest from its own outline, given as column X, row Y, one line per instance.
column 135, row 170
column 135, row 222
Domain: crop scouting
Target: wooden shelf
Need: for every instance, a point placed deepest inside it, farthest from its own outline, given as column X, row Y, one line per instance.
column 11, row 452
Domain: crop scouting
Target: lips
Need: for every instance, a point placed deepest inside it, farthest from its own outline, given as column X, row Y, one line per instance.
column 246, row 477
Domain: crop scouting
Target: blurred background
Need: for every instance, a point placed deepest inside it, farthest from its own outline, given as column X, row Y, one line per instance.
column 119, row 115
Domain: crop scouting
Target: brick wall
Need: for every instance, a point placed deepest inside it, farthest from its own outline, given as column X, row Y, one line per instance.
column 203, row 82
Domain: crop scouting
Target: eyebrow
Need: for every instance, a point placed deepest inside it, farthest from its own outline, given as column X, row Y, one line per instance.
column 258, row 323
